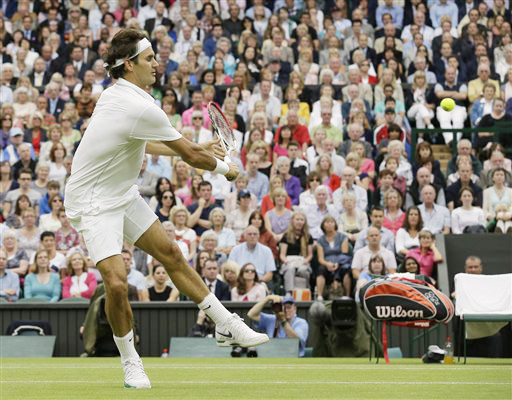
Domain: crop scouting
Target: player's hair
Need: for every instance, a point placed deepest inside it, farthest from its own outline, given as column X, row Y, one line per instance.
column 124, row 45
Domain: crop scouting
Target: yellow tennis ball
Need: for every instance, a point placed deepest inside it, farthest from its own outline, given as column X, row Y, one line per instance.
column 448, row 104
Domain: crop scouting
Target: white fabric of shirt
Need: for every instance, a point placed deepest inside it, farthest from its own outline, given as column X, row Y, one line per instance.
column 108, row 160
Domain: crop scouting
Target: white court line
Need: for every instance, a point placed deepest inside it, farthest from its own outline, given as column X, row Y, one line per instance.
column 419, row 367
column 171, row 382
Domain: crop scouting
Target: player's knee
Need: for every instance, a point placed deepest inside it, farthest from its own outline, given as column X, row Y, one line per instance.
column 117, row 287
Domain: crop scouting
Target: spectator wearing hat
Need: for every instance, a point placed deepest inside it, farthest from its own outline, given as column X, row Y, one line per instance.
column 284, row 323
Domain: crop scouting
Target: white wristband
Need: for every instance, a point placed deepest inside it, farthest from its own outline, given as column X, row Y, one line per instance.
column 221, row 168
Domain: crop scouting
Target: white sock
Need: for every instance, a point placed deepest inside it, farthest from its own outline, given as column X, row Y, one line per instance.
column 126, row 346
column 214, row 309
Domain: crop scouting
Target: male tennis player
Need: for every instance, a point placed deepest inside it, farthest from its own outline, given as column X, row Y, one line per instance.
column 103, row 203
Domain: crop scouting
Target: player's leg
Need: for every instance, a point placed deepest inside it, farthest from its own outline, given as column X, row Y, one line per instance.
column 230, row 329
column 117, row 307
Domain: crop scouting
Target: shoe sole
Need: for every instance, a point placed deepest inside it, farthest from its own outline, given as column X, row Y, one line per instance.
column 229, row 343
column 127, row 386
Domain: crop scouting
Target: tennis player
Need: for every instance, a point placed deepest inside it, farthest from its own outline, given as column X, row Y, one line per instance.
column 103, row 203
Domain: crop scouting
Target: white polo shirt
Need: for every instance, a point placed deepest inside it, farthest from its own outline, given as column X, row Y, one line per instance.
column 107, row 162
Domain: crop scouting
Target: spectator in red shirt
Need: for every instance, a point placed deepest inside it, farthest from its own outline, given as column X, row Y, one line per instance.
column 427, row 254
column 300, row 133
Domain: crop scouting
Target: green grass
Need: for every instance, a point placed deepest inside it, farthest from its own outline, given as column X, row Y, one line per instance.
column 312, row 378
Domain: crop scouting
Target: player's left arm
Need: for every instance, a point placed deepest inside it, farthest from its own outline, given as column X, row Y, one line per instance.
column 159, row 148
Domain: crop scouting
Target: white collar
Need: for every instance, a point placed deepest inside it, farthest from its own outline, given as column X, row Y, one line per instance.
column 143, row 93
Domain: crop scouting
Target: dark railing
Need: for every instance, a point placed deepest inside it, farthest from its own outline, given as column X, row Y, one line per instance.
column 501, row 128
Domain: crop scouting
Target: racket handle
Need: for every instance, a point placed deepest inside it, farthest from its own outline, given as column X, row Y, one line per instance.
column 227, row 159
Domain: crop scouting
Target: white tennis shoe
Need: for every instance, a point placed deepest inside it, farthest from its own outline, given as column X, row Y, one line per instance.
column 234, row 332
column 134, row 375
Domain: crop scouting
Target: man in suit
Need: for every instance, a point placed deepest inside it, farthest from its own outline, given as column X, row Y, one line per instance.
column 152, row 23
column 55, row 104
column 77, row 59
column 210, row 273
column 29, row 33
column 89, row 54
column 280, row 70
column 370, row 54
column 39, row 77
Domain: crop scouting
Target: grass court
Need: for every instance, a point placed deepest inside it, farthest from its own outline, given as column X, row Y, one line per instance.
column 311, row 378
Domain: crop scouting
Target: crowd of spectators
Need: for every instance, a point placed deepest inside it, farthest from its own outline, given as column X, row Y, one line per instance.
column 321, row 95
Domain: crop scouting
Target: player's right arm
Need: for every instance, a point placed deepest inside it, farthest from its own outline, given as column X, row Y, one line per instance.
column 198, row 157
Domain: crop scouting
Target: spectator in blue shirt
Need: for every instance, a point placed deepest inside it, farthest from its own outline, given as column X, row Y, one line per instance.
column 9, row 281
column 42, row 283
column 284, row 323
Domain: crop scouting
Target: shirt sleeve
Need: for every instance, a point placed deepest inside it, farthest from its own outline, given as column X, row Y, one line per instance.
column 153, row 124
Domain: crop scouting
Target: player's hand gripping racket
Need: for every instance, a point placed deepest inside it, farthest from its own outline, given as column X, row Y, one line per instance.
column 222, row 128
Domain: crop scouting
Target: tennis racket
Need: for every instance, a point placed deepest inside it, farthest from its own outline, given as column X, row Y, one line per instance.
column 222, row 129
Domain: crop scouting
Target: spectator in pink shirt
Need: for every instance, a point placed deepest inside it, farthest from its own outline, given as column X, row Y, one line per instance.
column 427, row 255
column 79, row 283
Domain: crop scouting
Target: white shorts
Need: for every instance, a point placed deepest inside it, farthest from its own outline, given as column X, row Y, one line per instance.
column 104, row 233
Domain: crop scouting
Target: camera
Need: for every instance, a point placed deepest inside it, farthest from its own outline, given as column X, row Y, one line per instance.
column 277, row 307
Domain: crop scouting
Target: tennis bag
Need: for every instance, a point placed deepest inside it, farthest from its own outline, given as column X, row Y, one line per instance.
column 401, row 299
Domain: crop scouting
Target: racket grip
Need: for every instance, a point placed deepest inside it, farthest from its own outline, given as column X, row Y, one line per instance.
column 227, row 159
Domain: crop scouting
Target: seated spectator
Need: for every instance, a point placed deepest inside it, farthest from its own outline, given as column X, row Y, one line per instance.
column 262, row 149
column 497, row 116
column 66, row 237
column 291, row 183
column 58, row 171
column 52, row 188
column 209, row 242
column 496, row 160
column 483, row 105
column 476, row 87
column 464, row 148
column 348, row 185
column 387, row 237
column 393, row 215
column 258, row 182
column 426, row 254
column 362, row 256
column 352, row 220
column 14, row 220
column 229, row 272
column 420, row 103
column 231, row 199
column 457, row 90
column 162, row 184
column 267, row 203
column 42, row 283
column 423, row 177
column 316, row 213
column 307, row 197
column 247, row 286
column 179, row 216
column 51, row 222
column 254, row 252
column 9, row 281
column 281, row 147
column 325, row 168
column 466, row 215
column 161, row 291
column 334, row 259
column 453, row 191
column 17, row 259
column 424, row 157
column 284, row 324
column 28, row 235
column 436, row 218
column 238, row 219
column 366, row 166
column 134, row 277
column 296, row 252
column 316, row 149
column 396, row 149
column 78, row 283
column 24, row 181
column 166, row 201
column 376, row 266
column 225, row 236
column 497, row 202
column 200, row 211
column 25, row 162
column 278, row 218
column 210, row 274
column 407, row 236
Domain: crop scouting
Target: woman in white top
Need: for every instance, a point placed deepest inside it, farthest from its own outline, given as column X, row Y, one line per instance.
column 316, row 150
column 58, row 171
column 466, row 215
column 352, row 220
column 307, row 197
column 179, row 216
column 407, row 236
column 226, row 238
column 397, row 149
column 51, row 222
column 498, row 196
column 248, row 287
column 28, row 235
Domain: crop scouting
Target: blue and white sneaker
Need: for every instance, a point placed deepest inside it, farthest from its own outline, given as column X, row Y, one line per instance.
column 234, row 332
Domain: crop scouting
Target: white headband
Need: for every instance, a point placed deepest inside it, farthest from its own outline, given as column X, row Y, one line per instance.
column 142, row 45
